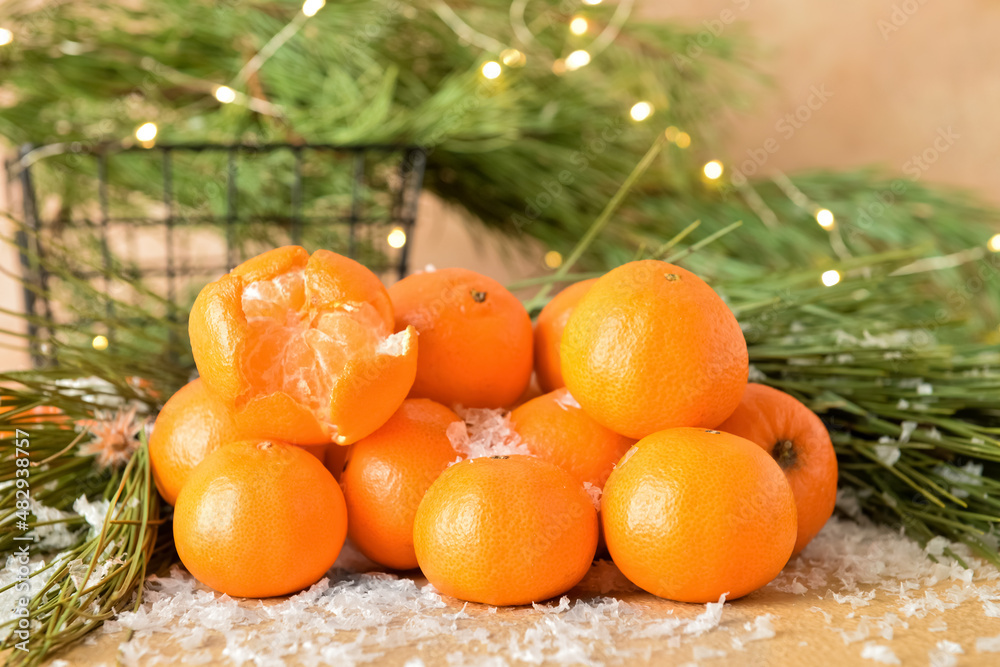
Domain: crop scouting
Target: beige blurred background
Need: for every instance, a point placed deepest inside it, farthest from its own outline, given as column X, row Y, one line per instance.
column 896, row 73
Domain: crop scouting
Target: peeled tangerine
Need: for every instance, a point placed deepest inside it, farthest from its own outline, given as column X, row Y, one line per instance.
column 692, row 514
column 303, row 347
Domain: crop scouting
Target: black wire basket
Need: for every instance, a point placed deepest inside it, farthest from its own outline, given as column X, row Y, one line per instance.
column 148, row 226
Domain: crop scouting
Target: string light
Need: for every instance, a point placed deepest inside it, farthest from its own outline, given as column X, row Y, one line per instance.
column 641, row 111
column 225, row 94
column 553, row 259
column 591, row 2
column 578, row 25
column 683, row 140
column 146, row 132
column 671, row 133
column 6, row 36
column 396, row 238
column 512, row 58
column 825, row 218
column 712, row 169
column 310, row 7
column 830, row 278
column 100, row 342
column 994, row 243
column 491, row 70
column 577, row 59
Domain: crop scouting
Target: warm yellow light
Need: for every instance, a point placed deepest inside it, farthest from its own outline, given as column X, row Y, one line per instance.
column 712, row 169
column 100, row 342
column 994, row 243
column 396, row 238
column 830, row 278
column 491, row 70
column 553, row 259
column 577, row 59
column 641, row 110
column 6, row 37
column 578, row 25
column 225, row 94
column 591, row 2
column 512, row 58
column 671, row 133
column 824, row 217
column 683, row 140
column 146, row 132
column 310, row 7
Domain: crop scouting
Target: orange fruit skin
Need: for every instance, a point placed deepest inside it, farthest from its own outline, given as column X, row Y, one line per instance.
column 690, row 514
column 475, row 338
column 651, row 346
column 554, row 429
column 191, row 425
column 387, row 476
column 773, row 419
column 259, row 519
column 369, row 386
column 505, row 531
column 548, row 333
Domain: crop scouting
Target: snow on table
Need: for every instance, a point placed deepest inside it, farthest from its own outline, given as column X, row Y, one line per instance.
column 859, row 594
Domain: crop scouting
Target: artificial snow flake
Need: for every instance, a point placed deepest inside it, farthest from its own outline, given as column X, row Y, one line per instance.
column 486, row 432
column 879, row 653
column 115, row 436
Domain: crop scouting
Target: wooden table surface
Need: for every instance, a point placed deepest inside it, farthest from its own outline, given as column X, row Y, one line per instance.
column 858, row 595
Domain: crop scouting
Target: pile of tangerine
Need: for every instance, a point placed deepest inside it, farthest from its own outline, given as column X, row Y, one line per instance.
column 325, row 401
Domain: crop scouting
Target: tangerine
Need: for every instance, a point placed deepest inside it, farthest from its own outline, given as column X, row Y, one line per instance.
column 387, row 476
column 259, row 519
column 191, row 425
column 475, row 338
column 651, row 346
column 505, row 530
column 302, row 346
column 549, row 330
column 555, row 428
column 797, row 439
column 690, row 514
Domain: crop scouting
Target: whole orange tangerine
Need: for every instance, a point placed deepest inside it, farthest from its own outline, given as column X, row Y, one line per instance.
column 191, row 425
column 554, row 427
column 387, row 475
column 690, row 514
column 797, row 439
column 475, row 338
column 259, row 519
column 505, row 530
column 651, row 346
column 549, row 330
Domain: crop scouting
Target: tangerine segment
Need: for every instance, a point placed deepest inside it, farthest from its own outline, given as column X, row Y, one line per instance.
column 303, row 346
column 554, row 427
column 651, row 346
column 797, row 439
column 505, row 530
column 387, row 475
column 690, row 514
column 549, row 330
column 259, row 519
